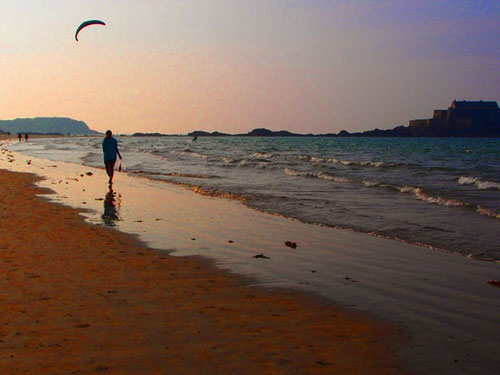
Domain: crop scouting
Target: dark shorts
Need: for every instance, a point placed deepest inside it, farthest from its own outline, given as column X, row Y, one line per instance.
column 110, row 164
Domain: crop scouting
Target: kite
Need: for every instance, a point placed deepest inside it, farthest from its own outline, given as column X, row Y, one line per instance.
column 87, row 23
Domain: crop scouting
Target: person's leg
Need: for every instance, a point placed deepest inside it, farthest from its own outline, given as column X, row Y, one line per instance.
column 110, row 168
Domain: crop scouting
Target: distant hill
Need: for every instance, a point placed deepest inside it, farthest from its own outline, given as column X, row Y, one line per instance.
column 261, row 132
column 149, row 135
column 46, row 125
column 201, row 133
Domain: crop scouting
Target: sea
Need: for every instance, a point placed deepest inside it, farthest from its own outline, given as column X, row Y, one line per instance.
column 442, row 193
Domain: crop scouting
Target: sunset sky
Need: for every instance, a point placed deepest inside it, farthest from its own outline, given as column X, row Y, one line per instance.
column 230, row 65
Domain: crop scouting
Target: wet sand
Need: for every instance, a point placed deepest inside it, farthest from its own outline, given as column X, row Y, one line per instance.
column 78, row 298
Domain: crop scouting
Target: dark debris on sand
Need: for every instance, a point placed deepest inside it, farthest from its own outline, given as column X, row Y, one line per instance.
column 261, row 256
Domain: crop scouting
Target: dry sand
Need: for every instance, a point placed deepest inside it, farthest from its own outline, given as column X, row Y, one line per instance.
column 77, row 298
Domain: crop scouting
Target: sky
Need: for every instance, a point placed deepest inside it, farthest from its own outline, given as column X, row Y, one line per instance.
column 309, row 66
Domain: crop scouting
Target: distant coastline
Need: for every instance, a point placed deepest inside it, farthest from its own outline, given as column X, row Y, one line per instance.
column 461, row 119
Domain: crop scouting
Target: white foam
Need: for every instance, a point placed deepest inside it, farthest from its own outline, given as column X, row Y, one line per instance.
column 480, row 184
column 317, row 160
column 363, row 163
column 487, row 212
column 319, row 175
column 368, row 183
column 189, row 153
column 261, row 155
column 419, row 193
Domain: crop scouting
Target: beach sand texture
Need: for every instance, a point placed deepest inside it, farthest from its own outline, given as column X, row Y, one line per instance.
column 77, row 298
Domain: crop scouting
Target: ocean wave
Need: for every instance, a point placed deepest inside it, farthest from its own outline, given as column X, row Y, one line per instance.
column 261, row 155
column 368, row 183
column 171, row 174
column 436, row 199
column 423, row 196
column 419, row 194
column 316, row 160
column 89, row 156
column 195, row 188
column 480, row 184
column 319, row 175
column 207, row 191
column 157, row 154
column 188, row 152
column 487, row 212
column 362, row 163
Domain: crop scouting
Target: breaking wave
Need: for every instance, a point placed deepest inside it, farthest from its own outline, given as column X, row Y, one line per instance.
column 172, row 174
column 421, row 195
column 188, row 152
column 362, row 163
column 319, row 175
column 261, row 155
column 487, row 212
column 480, row 184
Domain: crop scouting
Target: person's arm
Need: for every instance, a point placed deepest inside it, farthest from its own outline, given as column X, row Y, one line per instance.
column 118, row 152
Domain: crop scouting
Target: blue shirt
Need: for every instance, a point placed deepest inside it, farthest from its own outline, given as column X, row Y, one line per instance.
column 110, row 148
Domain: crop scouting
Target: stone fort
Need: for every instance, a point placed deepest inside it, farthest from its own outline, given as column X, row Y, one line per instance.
column 463, row 117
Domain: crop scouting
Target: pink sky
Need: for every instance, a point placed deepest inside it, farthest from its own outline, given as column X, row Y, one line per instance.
column 304, row 66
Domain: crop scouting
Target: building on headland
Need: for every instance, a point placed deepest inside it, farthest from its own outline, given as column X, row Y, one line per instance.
column 463, row 118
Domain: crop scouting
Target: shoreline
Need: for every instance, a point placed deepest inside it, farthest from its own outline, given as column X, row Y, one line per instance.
column 210, row 179
column 436, row 295
column 110, row 304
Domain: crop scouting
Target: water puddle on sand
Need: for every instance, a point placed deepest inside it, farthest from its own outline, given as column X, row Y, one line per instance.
column 444, row 299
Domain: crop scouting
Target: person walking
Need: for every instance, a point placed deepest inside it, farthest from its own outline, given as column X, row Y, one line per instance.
column 110, row 150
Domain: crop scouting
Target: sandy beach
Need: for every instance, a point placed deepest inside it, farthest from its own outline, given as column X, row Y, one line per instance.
column 78, row 298
column 434, row 310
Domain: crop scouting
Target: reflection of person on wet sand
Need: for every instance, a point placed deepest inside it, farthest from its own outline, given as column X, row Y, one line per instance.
column 110, row 214
column 110, row 150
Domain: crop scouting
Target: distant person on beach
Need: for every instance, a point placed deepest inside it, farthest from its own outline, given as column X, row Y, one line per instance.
column 19, row 136
column 26, row 137
column 110, row 150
